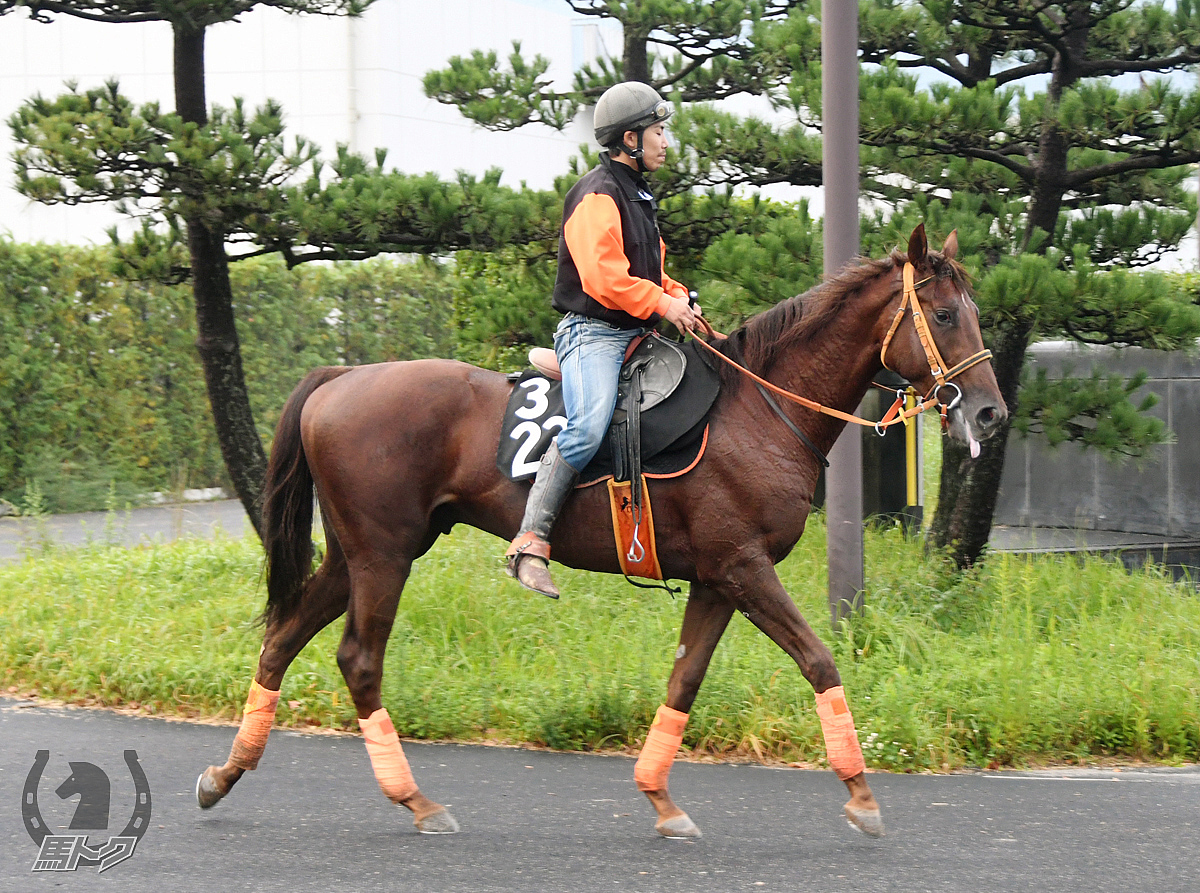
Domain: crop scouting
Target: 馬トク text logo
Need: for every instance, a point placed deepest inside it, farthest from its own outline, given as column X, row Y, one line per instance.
column 67, row 852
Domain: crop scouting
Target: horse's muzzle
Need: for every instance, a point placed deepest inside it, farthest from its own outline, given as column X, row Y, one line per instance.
column 973, row 421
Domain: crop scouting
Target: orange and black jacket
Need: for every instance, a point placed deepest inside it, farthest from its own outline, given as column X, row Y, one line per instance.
column 610, row 255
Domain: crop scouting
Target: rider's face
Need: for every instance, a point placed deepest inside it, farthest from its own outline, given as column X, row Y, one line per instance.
column 654, row 146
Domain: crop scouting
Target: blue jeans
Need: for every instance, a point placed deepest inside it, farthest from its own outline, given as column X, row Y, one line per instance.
column 590, row 353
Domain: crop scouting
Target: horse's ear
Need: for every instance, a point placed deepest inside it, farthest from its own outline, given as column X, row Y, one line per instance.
column 918, row 246
column 950, row 246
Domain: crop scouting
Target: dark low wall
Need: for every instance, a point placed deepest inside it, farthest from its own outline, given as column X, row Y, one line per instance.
column 1071, row 487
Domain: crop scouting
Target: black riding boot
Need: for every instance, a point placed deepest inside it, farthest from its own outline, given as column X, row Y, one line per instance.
column 529, row 554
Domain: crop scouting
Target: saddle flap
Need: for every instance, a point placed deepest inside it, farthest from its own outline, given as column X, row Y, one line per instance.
column 663, row 365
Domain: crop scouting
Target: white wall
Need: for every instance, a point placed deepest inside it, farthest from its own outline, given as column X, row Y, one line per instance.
column 321, row 70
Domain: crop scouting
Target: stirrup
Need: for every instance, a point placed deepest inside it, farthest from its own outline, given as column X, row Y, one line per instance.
column 536, row 574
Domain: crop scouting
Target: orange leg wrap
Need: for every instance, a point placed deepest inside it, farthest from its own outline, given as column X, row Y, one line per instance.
column 666, row 735
column 257, row 718
column 841, row 741
column 387, row 757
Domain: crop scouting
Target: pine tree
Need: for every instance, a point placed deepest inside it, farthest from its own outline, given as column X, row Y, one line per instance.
column 211, row 182
column 1028, row 131
column 217, row 340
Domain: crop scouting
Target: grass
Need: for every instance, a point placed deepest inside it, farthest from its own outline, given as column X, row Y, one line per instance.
column 1022, row 661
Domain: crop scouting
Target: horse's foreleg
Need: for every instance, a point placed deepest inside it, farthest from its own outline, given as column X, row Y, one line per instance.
column 324, row 600
column 704, row 621
column 767, row 605
column 360, row 656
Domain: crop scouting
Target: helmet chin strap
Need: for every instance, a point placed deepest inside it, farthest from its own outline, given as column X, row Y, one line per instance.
column 636, row 154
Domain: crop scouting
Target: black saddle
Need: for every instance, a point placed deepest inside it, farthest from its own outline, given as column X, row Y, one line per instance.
column 663, row 398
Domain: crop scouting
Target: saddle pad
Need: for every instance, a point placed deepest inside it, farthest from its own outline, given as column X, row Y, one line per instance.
column 636, row 548
column 672, row 432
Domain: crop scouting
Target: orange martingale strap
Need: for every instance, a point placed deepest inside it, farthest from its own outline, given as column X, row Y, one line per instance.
column 257, row 718
column 841, row 741
column 662, row 743
column 387, row 756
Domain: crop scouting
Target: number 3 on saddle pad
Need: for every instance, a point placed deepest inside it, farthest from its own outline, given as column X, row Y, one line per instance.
column 534, row 416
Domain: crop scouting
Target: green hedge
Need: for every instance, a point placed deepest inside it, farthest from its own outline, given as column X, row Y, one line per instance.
column 102, row 395
column 101, row 389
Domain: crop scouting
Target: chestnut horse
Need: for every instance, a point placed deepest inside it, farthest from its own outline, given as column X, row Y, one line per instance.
column 400, row 452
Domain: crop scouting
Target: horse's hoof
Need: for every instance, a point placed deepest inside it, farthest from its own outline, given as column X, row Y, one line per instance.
column 207, row 793
column 440, row 822
column 678, row 827
column 868, row 821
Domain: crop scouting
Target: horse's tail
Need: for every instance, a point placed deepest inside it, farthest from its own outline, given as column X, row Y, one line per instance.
column 288, row 503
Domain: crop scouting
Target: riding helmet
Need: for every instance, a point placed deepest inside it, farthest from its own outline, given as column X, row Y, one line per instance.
column 631, row 105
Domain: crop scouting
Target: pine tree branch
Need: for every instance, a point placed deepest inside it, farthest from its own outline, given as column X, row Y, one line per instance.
column 1089, row 339
column 1099, row 67
column 124, row 12
column 1158, row 161
column 1009, row 75
column 696, row 62
column 41, row 10
column 1008, row 22
column 1002, row 157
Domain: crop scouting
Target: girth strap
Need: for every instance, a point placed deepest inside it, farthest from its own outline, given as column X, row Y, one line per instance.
column 637, row 551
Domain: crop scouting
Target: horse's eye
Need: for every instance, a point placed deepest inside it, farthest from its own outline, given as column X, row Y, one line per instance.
column 943, row 317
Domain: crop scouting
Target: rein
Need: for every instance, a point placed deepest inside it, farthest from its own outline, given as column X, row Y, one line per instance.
column 896, row 414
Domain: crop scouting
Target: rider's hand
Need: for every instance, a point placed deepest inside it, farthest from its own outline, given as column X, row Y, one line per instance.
column 681, row 314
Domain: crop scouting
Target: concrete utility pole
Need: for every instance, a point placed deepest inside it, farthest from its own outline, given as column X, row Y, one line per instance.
column 839, row 116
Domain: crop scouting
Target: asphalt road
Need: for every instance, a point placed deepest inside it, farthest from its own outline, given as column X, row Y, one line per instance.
column 150, row 524
column 312, row 819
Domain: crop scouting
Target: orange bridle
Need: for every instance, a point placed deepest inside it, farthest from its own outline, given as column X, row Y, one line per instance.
column 896, row 414
column 937, row 366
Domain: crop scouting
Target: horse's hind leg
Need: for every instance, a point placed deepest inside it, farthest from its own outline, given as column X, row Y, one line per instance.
column 376, row 586
column 704, row 621
column 323, row 601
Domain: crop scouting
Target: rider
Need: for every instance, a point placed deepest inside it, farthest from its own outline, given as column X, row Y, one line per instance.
column 612, row 287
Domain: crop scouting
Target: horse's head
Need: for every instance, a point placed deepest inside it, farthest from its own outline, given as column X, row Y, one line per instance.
column 931, row 337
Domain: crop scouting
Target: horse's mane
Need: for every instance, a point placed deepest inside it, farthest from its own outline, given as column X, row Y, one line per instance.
column 803, row 318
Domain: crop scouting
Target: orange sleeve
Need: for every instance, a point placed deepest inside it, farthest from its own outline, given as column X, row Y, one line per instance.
column 670, row 286
column 593, row 236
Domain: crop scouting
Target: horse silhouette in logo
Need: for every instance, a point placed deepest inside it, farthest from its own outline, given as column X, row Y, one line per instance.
column 94, row 789
column 66, row 852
